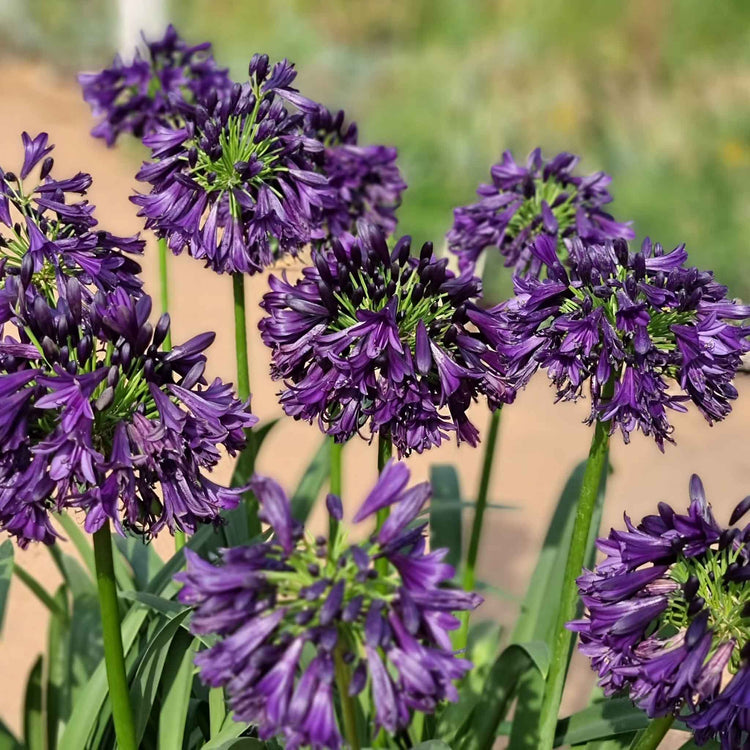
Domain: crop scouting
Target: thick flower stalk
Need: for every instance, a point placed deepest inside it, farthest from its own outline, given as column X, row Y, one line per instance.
column 365, row 180
column 372, row 338
column 235, row 184
column 48, row 234
column 543, row 197
column 660, row 332
column 385, row 628
column 138, row 97
column 96, row 416
column 668, row 618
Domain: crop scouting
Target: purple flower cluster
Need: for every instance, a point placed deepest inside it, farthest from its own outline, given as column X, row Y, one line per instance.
column 139, row 97
column 269, row 602
column 95, row 415
column 668, row 618
column 366, row 182
column 375, row 337
column 635, row 322
column 544, row 197
column 48, row 233
column 235, row 184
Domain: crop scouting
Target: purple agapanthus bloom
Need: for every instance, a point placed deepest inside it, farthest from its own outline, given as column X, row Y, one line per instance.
column 236, row 184
column 631, row 325
column 667, row 618
column 544, row 197
column 95, row 416
column 376, row 338
column 48, row 233
column 366, row 181
column 138, row 97
column 386, row 630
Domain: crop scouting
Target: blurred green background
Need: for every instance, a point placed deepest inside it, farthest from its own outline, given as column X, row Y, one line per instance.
column 655, row 92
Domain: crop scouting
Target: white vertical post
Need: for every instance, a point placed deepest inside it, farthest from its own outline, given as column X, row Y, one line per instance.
column 136, row 17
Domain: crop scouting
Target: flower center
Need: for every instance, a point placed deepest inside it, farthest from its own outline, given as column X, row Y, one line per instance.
column 559, row 198
column 724, row 599
column 240, row 160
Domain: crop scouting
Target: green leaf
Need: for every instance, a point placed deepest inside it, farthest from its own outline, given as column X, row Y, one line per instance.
column 177, row 683
column 79, row 540
column 621, row 742
column 540, row 607
column 710, row 745
column 140, row 556
column 229, row 731
column 480, row 728
column 58, row 664
column 6, row 573
column 217, row 710
column 89, row 703
column 601, row 721
column 243, row 743
column 236, row 529
column 145, row 684
column 159, row 604
column 312, row 482
column 33, row 717
column 8, row 740
column 432, row 745
column 79, row 581
column 445, row 512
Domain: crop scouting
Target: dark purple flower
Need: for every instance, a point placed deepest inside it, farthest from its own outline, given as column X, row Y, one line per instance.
column 235, row 184
column 544, row 197
column 48, row 233
column 96, row 416
column 139, row 97
column 390, row 628
column 667, row 618
column 365, row 180
column 375, row 338
column 631, row 326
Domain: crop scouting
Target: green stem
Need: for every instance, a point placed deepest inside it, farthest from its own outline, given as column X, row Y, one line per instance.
column 476, row 527
column 243, row 385
column 347, row 703
column 179, row 536
column 595, row 467
column 240, row 337
column 653, row 734
column 114, row 657
column 334, row 489
column 36, row 588
column 164, row 285
column 385, row 451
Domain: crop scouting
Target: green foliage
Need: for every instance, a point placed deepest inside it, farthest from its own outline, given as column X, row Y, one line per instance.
column 6, row 573
column 445, row 512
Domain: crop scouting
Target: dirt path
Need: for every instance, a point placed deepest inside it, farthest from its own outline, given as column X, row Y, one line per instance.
column 540, row 442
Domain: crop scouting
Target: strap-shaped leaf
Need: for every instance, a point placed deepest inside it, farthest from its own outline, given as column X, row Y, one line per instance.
column 6, row 573
column 33, row 708
column 177, row 684
column 58, row 663
column 600, row 721
column 445, row 512
column 312, row 482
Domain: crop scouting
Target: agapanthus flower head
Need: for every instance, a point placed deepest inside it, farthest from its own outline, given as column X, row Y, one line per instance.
column 372, row 338
column 366, row 182
column 543, row 197
column 645, row 331
column 235, row 185
column 96, row 416
column 137, row 97
column 668, row 618
column 379, row 611
column 48, row 233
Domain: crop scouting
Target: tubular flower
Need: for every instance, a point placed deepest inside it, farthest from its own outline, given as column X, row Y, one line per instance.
column 639, row 323
column 138, row 97
column 95, row 416
column 667, row 618
column 366, row 182
column 48, row 233
column 235, row 185
column 372, row 337
column 544, row 197
column 388, row 629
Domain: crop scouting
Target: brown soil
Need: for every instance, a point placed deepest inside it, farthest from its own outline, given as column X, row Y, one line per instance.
column 540, row 441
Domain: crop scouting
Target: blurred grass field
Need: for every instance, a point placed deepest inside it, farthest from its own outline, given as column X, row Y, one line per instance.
column 655, row 92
